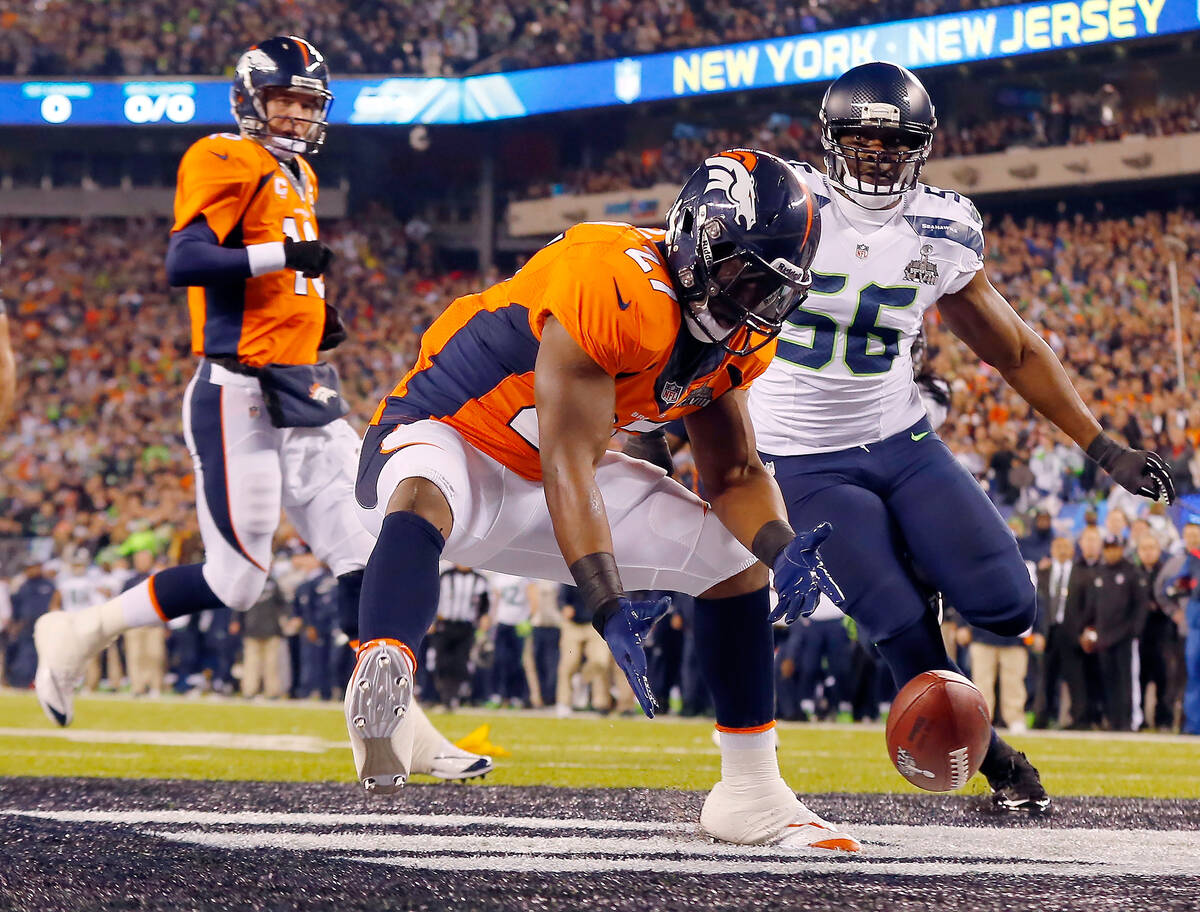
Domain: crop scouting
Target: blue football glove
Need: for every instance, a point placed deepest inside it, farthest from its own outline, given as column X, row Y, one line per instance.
column 800, row 577
column 624, row 632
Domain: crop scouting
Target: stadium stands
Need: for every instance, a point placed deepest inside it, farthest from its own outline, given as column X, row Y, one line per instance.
column 1079, row 119
column 204, row 37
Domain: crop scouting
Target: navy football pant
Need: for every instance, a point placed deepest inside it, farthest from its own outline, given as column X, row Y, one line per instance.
column 905, row 506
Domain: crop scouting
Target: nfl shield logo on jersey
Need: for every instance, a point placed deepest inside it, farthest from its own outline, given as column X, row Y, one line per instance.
column 861, row 251
column 628, row 76
column 671, row 393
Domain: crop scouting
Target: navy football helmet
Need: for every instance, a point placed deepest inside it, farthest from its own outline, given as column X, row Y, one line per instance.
column 281, row 63
column 879, row 101
column 740, row 239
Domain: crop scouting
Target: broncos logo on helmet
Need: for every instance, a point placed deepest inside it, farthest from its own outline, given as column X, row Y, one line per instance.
column 285, row 62
column 740, row 238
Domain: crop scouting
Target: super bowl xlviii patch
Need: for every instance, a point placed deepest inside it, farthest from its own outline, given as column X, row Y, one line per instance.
column 699, row 398
column 923, row 270
column 862, row 251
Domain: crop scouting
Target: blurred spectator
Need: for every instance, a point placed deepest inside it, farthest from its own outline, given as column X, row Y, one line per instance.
column 1057, row 643
column 511, row 598
column 261, row 628
column 1000, row 663
column 1159, row 639
column 1078, row 664
column 579, row 642
column 462, row 604
column 544, row 652
column 5, row 623
column 33, row 598
column 1114, row 613
column 145, row 647
column 815, row 658
column 154, row 37
column 1184, row 584
column 321, row 655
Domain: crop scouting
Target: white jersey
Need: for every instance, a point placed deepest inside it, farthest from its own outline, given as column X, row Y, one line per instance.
column 842, row 375
column 79, row 591
column 512, row 598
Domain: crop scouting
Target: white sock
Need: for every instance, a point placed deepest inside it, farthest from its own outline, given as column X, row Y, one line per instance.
column 132, row 608
column 749, row 758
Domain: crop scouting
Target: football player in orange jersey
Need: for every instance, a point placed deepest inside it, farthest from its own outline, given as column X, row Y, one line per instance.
column 492, row 453
column 262, row 416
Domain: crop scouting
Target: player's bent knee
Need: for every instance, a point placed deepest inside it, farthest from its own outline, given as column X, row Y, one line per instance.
column 424, row 498
column 239, row 589
column 749, row 580
column 1004, row 603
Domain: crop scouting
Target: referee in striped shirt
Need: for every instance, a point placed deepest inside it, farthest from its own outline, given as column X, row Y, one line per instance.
column 463, row 601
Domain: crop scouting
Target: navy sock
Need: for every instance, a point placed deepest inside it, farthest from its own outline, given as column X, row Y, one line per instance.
column 349, row 589
column 916, row 648
column 736, row 649
column 179, row 591
column 919, row 648
column 400, row 583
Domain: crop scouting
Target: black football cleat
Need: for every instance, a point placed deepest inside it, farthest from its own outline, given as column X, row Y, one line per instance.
column 1016, row 785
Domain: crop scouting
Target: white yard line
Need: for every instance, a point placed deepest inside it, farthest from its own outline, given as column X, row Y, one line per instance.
column 404, row 840
column 304, row 744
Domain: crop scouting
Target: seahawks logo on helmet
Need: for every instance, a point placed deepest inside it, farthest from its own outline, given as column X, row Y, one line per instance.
column 883, row 102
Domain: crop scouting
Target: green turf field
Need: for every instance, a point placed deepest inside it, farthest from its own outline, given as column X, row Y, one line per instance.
column 203, row 739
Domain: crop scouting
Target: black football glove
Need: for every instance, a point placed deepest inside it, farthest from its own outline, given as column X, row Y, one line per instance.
column 1140, row 472
column 310, row 258
column 335, row 332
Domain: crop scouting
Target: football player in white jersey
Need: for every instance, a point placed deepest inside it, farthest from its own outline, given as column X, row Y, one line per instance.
column 839, row 415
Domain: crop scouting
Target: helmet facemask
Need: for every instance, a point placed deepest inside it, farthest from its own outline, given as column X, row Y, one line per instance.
column 875, row 177
column 312, row 130
column 745, row 300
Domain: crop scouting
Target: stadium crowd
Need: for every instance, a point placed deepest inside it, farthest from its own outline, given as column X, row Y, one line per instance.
column 441, row 38
column 1077, row 119
column 97, row 471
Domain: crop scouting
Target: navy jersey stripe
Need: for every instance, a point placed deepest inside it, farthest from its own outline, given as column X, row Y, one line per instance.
column 948, row 229
column 492, row 345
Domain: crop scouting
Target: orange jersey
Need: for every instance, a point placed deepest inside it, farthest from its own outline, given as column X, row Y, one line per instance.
column 247, row 197
column 608, row 286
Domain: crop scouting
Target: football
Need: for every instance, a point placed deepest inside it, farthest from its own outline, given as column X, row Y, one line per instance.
column 938, row 731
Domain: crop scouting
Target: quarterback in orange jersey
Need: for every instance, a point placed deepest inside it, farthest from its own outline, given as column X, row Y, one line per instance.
column 492, row 453
column 263, row 415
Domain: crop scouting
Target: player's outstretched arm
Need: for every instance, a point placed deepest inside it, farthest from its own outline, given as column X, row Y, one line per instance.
column 982, row 317
column 8, row 372
column 748, row 502
column 576, row 400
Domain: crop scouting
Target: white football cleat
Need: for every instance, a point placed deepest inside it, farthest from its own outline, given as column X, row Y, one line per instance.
column 769, row 813
column 434, row 755
column 377, row 704
column 64, row 641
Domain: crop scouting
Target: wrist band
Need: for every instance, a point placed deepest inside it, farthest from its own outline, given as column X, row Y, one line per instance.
column 1103, row 449
column 770, row 541
column 599, row 583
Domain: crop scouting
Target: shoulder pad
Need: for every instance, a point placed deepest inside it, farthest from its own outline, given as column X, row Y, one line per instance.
column 950, row 203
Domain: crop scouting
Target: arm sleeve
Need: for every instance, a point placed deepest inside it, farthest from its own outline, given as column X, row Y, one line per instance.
column 195, row 257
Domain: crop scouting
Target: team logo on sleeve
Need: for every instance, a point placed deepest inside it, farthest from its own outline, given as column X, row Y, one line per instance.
column 922, row 270
column 730, row 173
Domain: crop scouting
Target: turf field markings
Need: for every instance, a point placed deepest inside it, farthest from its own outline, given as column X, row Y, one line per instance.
column 305, row 744
column 664, row 847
